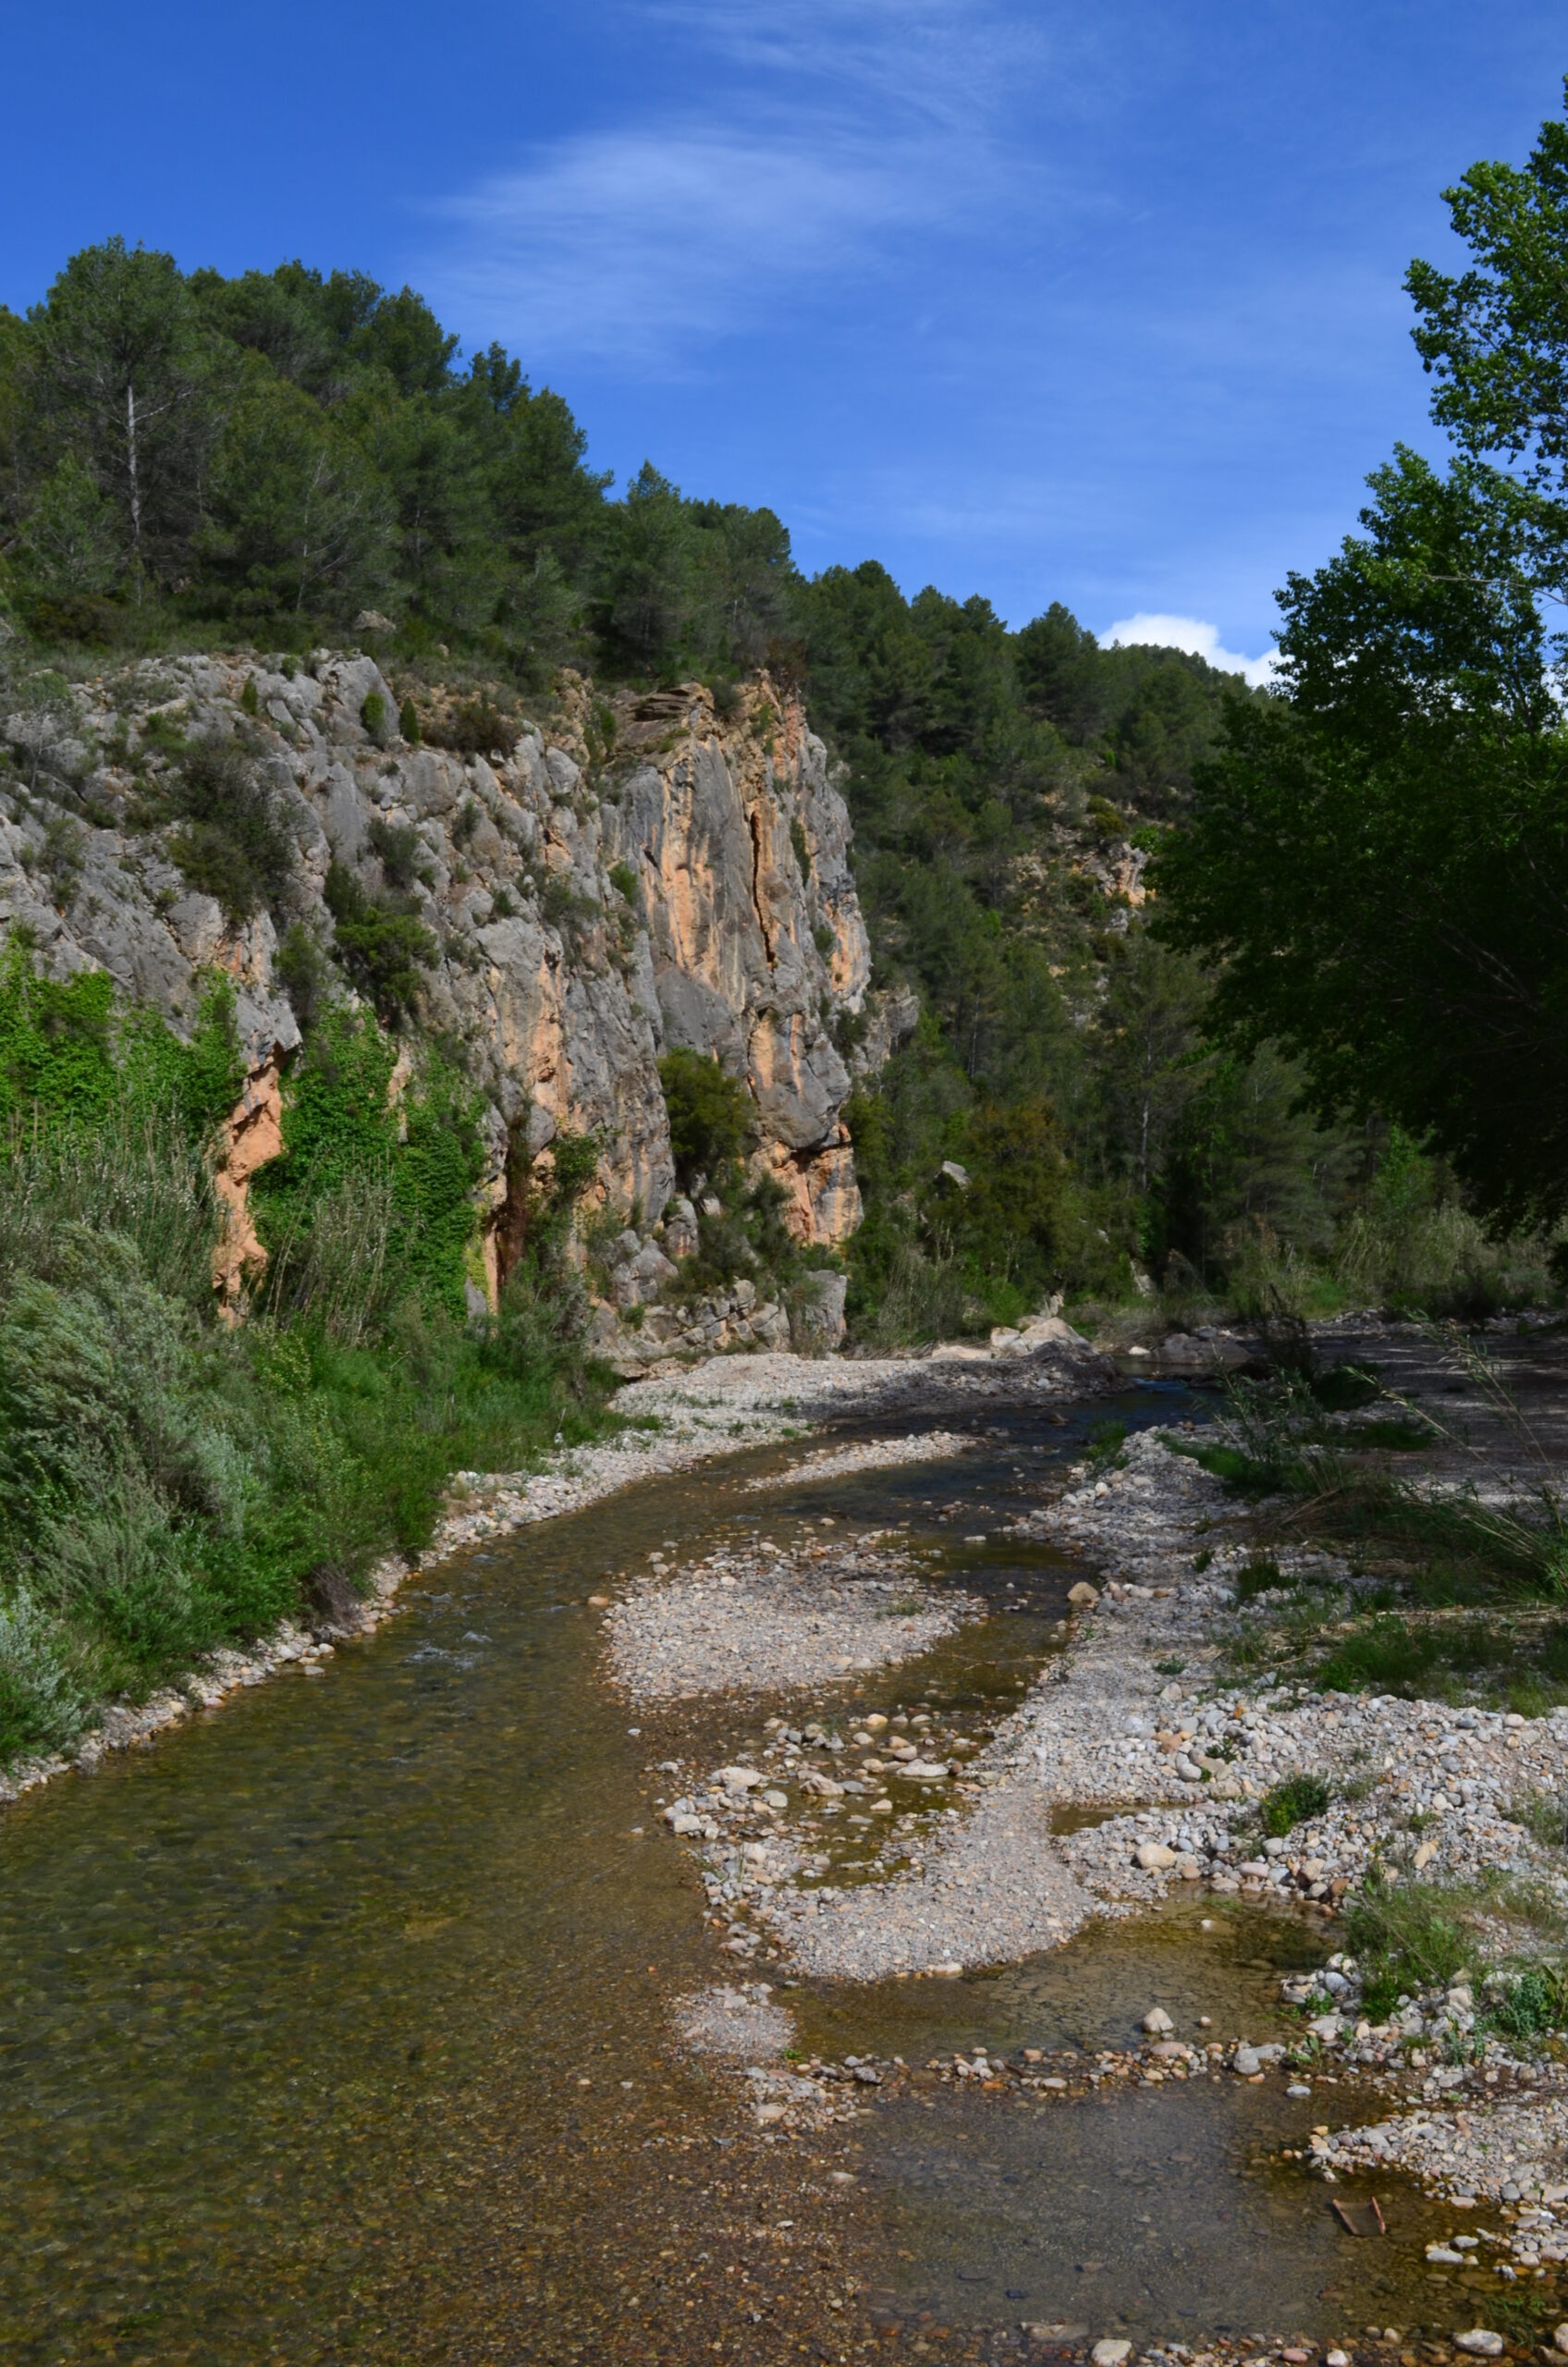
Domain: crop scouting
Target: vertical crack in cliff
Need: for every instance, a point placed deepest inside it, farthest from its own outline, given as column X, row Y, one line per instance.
column 754, row 823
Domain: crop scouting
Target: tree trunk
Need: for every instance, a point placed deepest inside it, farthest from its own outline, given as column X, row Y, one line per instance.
column 135, row 487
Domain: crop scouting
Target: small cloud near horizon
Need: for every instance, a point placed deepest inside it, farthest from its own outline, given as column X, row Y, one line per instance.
column 1192, row 634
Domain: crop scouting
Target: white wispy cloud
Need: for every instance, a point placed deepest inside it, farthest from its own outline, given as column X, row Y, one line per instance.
column 831, row 130
column 1192, row 634
column 628, row 245
column 944, row 60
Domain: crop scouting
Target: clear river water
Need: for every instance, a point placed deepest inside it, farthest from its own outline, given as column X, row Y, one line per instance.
column 334, row 2026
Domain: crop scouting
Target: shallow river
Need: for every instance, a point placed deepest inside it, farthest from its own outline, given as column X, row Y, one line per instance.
column 333, row 2026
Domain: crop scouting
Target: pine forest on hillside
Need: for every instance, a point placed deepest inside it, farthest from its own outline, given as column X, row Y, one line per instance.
column 189, row 461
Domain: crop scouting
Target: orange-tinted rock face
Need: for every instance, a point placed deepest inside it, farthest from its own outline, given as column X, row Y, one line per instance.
column 693, row 890
column 755, row 934
column 822, row 1198
column 252, row 1133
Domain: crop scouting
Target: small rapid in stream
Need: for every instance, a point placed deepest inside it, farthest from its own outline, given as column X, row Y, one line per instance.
column 337, row 2025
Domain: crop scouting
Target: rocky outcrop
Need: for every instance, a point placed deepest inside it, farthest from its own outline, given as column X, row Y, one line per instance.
column 626, row 876
column 637, row 1331
column 252, row 1135
column 741, row 848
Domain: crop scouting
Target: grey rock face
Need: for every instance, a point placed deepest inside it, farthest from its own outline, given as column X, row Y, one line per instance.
column 891, row 1016
column 755, row 934
column 745, row 938
column 819, row 1319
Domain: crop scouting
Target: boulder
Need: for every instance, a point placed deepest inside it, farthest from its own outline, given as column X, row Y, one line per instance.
column 820, row 1312
column 680, row 1235
column 1049, row 1332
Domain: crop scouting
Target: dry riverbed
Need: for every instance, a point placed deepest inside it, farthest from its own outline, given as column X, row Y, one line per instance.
column 861, row 1845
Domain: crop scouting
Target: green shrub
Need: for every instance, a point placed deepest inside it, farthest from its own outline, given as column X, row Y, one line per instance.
column 232, row 843
column 544, row 1305
column 1407, row 1937
column 623, row 879
column 1387, row 1656
column 901, row 1296
column 71, row 1061
column 166, row 1485
column 1106, row 1440
column 42, row 1705
column 710, row 1114
column 302, row 971
column 475, row 727
column 1399, row 1435
column 367, row 1204
column 55, row 1042
column 373, row 715
column 408, row 723
column 399, row 846
column 798, row 841
column 250, row 699
column 65, row 851
column 1530, row 2006
column 563, row 906
column 1296, row 1801
column 381, row 949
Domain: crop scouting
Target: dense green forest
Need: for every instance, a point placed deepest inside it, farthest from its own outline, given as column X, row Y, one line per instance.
column 286, row 457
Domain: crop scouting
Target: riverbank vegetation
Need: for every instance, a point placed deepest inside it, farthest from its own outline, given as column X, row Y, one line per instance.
column 1438, row 1566
column 169, row 1482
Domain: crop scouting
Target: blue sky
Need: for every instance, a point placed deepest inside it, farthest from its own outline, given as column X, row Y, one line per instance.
column 1094, row 304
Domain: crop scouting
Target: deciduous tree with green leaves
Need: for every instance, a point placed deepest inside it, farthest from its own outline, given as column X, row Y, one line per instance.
column 1379, row 859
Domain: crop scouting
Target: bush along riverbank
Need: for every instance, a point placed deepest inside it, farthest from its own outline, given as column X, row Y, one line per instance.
column 175, row 1484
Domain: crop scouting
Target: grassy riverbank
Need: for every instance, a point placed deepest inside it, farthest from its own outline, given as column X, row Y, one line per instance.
column 170, row 1481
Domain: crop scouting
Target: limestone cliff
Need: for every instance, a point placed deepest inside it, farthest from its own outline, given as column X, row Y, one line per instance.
column 628, row 875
